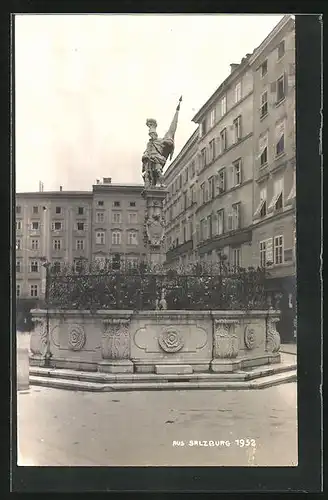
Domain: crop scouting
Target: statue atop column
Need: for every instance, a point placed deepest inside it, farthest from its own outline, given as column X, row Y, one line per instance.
column 158, row 151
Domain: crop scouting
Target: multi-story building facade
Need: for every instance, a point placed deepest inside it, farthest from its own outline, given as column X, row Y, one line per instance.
column 76, row 226
column 180, row 205
column 244, row 154
column 274, row 231
column 118, row 222
column 224, row 180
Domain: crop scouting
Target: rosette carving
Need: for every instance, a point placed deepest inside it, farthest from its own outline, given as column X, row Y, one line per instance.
column 272, row 336
column 250, row 337
column 170, row 341
column 226, row 342
column 76, row 338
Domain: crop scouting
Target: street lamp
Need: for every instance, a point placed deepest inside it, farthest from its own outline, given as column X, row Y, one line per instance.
column 47, row 356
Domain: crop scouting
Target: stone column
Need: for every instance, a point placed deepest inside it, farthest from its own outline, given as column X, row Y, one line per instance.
column 154, row 226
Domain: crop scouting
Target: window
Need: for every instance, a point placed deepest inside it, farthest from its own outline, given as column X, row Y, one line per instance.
column 56, row 267
column 236, row 257
column 100, row 238
column 192, row 169
column 35, row 210
column 34, row 266
column 18, row 244
column 262, row 253
column 100, row 203
column 100, row 216
column 100, row 261
column 223, row 139
column 262, row 206
column 180, row 181
column 56, row 244
column 58, row 210
column 191, row 228
column 116, row 217
column 238, row 92
column 281, row 49
column 132, row 238
column 280, row 138
column 202, row 128
column 203, row 158
column 237, row 173
column 221, row 183
column 278, row 250
column 280, row 89
column 211, row 186
column 80, row 226
column 263, row 150
column 237, row 128
column 132, row 203
column 202, row 193
column 213, row 117
column 223, row 105
column 235, row 216
column 34, row 290
column 133, row 217
column 202, row 229
column 220, row 221
column 263, row 198
column 186, row 174
column 78, row 265
column 116, row 238
column 79, row 244
column 212, row 150
column 80, row 210
column 264, row 104
column 57, row 226
column 18, row 225
column 277, row 200
column 209, row 226
column 18, row 266
column 264, row 68
column 132, row 262
column 35, row 226
column 18, row 289
column 185, row 201
column 193, row 194
column 18, row 209
column 35, row 244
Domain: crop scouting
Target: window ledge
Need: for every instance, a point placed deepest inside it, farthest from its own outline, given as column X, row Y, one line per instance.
column 266, row 164
column 262, row 117
column 280, row 155
column 278, row 103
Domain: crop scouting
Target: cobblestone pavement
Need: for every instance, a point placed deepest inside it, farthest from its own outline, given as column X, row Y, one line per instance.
column 58, row 427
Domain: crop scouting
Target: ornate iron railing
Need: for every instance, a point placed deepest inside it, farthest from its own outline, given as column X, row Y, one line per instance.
column 199, row 287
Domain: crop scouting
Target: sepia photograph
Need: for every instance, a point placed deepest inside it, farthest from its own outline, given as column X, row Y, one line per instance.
column 155, row 240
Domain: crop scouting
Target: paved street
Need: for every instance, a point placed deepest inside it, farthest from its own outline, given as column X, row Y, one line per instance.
column 59, row 427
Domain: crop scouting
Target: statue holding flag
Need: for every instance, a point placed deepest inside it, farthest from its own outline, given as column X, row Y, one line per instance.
column 158, row 151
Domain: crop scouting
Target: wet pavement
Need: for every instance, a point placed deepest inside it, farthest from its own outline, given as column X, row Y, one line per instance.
column 172, row 428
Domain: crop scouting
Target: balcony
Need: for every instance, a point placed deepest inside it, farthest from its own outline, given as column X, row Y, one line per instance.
column 234, row 237
column 172, row 254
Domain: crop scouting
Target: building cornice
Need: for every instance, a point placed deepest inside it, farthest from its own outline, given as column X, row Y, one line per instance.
column 222, row 89
column 133, row 188
column 59, row 194
column 283, row 23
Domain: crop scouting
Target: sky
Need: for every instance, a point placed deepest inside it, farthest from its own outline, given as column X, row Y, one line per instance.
column 85, row 85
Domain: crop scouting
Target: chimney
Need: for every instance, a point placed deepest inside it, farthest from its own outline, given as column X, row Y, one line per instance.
column 233, row 67
column 98, row 181
column 60, row 188
column 107, row 180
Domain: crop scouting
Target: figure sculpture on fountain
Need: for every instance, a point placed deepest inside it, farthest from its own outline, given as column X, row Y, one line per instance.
column 157, row 152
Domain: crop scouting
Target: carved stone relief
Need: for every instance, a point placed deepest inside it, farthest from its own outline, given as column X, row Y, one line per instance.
column 38, row 342
column 76, row 338
column 116, row 339
column 272, row 336
column 226, row 342
column 170, row 341
column 250, row 337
